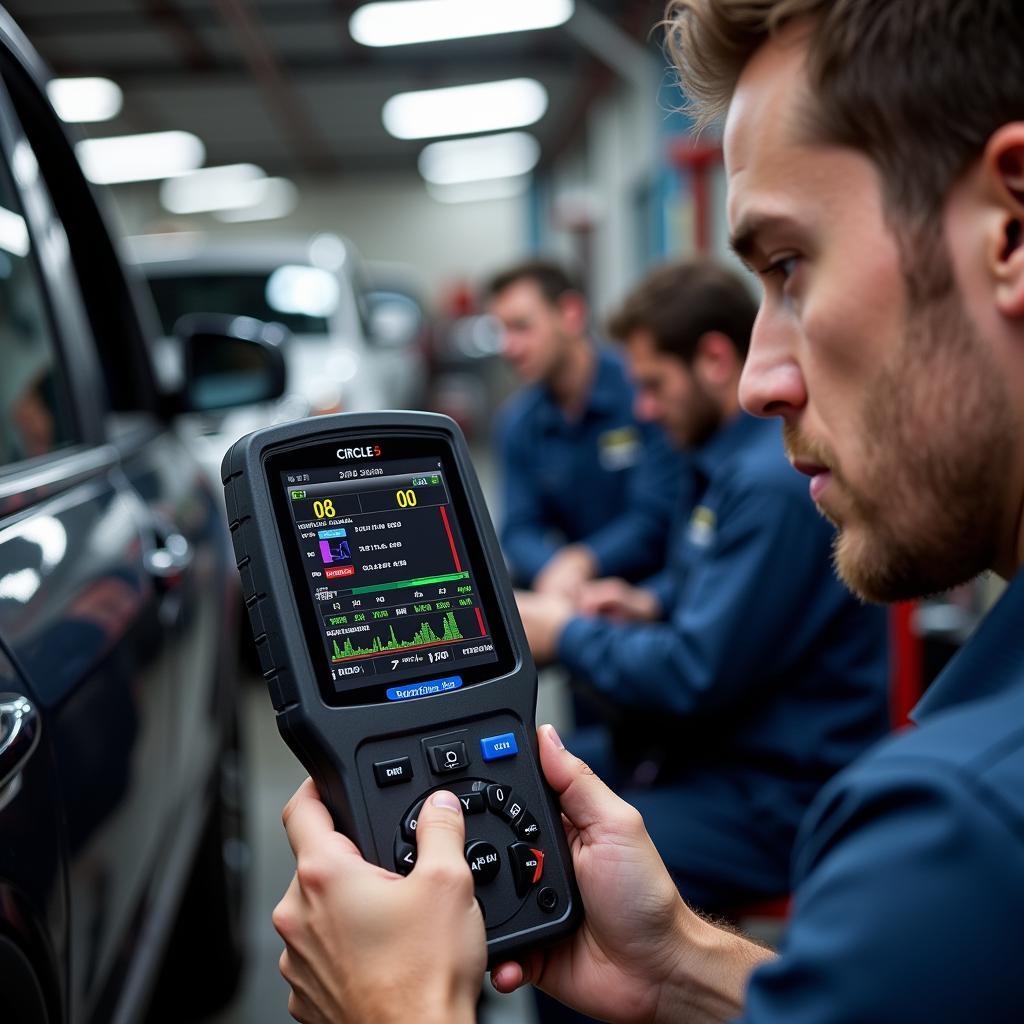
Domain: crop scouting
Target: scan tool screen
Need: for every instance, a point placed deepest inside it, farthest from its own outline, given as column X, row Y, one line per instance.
column 400, row 606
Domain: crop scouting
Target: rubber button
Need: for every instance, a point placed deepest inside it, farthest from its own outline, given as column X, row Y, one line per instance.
column 472, row 803
column 497, row 796
column 484, row 861
column 411, row 820
column 391, row 773
column 526, row 827
column 446, row 758
column 527, row 866
column 405, row 857
column 512, row 810
column 494, row 748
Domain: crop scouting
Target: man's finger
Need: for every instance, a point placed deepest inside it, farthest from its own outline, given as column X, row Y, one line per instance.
column 441, row 834
column 309, row 825
column 584, row 798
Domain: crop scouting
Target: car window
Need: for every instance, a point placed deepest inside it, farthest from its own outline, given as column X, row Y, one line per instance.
column 250, row 294
column 35, row 410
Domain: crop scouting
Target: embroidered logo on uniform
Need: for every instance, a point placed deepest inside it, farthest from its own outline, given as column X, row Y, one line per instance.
column 620, row 448
column 700, row 531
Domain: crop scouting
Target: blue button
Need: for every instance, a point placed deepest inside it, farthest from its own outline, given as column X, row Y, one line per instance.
column 494, row 748
column 425, row 689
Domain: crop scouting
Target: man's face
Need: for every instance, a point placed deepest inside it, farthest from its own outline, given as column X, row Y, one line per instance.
column 892, row 401
column 668, row 393
column 535, row 334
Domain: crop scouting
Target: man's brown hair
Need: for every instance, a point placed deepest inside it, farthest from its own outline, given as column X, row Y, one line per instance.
column 551, row 278
column 681, row 302
column 919, row 86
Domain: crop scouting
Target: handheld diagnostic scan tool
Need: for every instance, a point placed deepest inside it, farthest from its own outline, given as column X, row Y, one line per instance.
column 396, row 660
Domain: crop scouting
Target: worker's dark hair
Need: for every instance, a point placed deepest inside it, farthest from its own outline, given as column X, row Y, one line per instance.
column 681, row 302
column 551, row 278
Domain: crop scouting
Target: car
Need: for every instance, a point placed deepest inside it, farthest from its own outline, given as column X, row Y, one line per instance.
column 348, row 348
column 122, row 853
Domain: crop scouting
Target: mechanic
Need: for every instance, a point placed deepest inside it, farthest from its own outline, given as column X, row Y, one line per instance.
column 747, row 674
column 875, row 163
column 588, row 491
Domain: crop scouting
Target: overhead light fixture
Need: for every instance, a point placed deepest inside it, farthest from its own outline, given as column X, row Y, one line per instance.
column 271, row 198
column 487, row 156
column 146, row 157
column 401, row 22
column 480, row 191
column 227, row 187
column 465, row 109
column 80, row 100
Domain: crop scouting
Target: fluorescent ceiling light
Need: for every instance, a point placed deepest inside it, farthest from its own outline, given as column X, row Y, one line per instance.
column 488, row 156
column 212, row 188
column 145, row 157
column 400, row 22
column 480, row 191
column 78, row 100
column 465, row 109
column 271, row 198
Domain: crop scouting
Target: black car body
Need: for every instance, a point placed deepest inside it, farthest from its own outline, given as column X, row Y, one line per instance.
column 119, row 783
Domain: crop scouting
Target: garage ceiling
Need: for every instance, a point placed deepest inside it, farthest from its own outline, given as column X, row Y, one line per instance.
column 282, row 84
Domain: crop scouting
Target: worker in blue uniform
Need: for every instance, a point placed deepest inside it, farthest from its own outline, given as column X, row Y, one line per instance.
column 875, row 165
column 588, row 490
column 745, row 674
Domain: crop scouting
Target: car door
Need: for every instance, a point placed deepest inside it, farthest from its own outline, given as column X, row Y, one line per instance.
column 82, row 614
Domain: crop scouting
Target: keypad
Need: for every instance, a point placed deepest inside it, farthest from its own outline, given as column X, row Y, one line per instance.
column 520, row 860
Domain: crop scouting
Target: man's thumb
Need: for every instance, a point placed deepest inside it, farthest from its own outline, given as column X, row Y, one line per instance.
column 585, row 799
column 441, row 831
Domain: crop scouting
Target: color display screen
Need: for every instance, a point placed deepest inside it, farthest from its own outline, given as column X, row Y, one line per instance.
column 398, row 604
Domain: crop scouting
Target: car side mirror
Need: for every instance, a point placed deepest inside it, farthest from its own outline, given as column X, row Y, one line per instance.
column 230, row 361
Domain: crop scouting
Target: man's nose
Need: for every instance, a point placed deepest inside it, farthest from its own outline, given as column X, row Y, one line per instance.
column 772, row 383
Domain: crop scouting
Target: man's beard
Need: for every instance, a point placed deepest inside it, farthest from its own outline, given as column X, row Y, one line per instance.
column 935, row 428
column 700, row 420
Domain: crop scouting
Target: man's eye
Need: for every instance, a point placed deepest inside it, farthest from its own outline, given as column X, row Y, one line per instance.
column 783, row 268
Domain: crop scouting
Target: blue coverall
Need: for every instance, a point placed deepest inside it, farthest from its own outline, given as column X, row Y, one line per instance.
column 763, row 680
column 603, row 479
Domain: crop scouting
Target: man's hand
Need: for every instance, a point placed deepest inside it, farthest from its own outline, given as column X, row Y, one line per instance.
column 544, row 617
column 616, row 599
column 641, row 954
column 566, row 571
column 366, row 945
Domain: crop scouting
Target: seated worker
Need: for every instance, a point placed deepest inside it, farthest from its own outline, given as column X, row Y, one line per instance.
column 746, row 674
column 890, row 341
column 588, row 491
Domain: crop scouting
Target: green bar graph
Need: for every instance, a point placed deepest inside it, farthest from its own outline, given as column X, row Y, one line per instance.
column 424, row 636
column 398, row 584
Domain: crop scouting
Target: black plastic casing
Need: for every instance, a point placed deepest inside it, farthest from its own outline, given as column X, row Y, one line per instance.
column 339, row 745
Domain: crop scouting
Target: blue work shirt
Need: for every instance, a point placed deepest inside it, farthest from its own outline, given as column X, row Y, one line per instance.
column 910, row 865
column 765, row 670
column 603, row 479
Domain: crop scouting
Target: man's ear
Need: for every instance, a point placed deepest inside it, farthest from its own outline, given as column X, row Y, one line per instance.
column 573, row 308
column 1003, row 165
column 716, row 363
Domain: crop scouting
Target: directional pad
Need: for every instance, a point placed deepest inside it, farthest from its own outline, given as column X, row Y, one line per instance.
column 496, row 821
